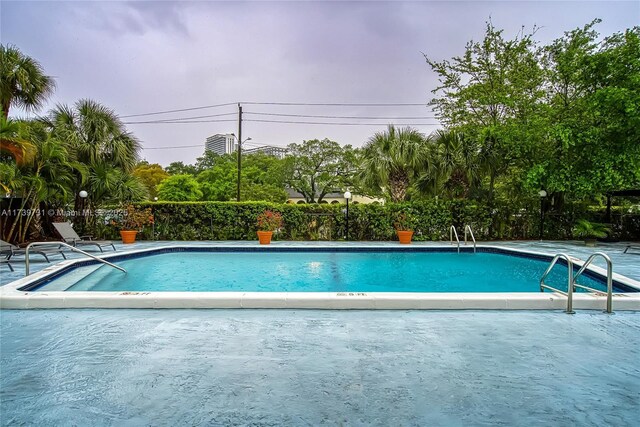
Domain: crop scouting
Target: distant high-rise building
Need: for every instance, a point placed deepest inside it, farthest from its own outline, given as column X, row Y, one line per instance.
column 269, row 150
column 221, row 143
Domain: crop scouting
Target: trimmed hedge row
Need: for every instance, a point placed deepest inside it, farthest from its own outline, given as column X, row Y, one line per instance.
column 237, row 221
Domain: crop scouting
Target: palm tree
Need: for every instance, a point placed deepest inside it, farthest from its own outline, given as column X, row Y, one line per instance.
column 392, row 159
column 46, row 177
column 97, row 139
column 22, row 81
column 95, row 134
column 10, row 141
column 454, row 167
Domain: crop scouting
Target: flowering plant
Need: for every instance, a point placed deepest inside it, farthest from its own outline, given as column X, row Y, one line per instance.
column 269, row 221
column 133, row 218
column 405, row 221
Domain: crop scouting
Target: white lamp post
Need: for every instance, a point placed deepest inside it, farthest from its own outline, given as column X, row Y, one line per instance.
column 347, row 196
column 542, row 195
column 83, row 195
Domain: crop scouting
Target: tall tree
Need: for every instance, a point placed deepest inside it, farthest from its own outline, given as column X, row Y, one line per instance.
column 593, row 95
column 97, row 139
column 492, row 94
column 179, row 168
column 150, row 175
column 179, row 188
column 22, row 81
column 393, row 159
column 46, row 178
column 316, row 167
column 454, row 166
column 14, row 144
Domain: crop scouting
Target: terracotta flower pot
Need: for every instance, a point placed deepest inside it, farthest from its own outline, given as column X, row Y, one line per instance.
column 404, row 236
column 128, row 236
column 264, row 237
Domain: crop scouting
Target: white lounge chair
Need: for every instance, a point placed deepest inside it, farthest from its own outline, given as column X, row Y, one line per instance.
column 6, row 261
column 12, row 250
column 69, row 235
column 632, row 248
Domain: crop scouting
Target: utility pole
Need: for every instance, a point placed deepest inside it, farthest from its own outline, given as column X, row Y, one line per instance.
column 239, row 148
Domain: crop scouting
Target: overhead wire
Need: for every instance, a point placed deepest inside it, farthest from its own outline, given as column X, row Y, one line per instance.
column 203, row 107
column 338, row 104
column 178, row 110
column 336, row 123
column 339, row 117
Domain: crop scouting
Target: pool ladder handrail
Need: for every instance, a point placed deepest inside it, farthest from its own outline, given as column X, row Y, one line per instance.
column 609, row 308
column 571, row 279
column 452, row 232
column 468, row 228
column 569, row 293
column 66, row 245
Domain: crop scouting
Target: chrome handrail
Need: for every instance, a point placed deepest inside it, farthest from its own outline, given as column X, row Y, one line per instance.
column 589, row 260
column 468, row 227
column 570, row 282
column 73, row 248
column 452, row 231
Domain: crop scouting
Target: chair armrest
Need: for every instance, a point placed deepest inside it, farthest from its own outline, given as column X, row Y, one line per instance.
column 87, row 237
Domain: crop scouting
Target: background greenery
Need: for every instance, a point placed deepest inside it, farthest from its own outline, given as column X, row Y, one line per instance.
column 237, row 221
column 518, row 117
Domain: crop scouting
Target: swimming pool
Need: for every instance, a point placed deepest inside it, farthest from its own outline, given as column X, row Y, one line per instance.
column 326, row 271
column 244, row 276
column 309, row 277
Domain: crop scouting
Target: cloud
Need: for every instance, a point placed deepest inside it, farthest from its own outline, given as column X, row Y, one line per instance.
column 143, row 56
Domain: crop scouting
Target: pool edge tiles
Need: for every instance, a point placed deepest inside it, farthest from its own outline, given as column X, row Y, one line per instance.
column 14, row 295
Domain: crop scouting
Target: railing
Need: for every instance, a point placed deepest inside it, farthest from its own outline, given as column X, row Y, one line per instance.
column 452, row 232
column 609, row 308
column 569, row 292
column 572, row 279
column 66, row 245
column 468, row 228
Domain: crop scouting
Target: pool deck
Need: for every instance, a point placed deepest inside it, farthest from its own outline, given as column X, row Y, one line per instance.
column 626, row 264
column 93, row 367
column 318, row 367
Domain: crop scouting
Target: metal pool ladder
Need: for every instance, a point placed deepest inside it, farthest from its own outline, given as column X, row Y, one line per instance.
column 66, row 245
column 453, row 232
column 571, row 279
column 468, row 228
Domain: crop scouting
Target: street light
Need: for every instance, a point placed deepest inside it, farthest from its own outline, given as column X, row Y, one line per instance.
column 542, row 195
column 83, row 196
column 153, row 214
column 240, row 163
column 347, row 196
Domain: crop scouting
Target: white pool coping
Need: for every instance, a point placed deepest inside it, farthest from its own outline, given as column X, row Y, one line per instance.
column 12, row 298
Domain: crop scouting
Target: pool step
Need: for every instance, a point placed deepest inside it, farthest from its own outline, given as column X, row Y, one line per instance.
column 72, row 277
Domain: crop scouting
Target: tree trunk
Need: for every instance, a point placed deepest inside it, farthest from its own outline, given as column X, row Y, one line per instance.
column 398, row 185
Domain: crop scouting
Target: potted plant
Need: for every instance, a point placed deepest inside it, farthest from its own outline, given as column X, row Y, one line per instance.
column 404, row 224
column 590, row 231
column 132, row 221
column 268, row 222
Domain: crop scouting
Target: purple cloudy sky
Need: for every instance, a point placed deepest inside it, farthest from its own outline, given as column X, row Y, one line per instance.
column 141, row 57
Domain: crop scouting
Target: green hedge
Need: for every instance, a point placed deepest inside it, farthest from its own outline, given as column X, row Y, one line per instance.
column 237, row 221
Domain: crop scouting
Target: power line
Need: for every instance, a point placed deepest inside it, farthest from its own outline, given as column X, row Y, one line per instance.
column 380, row 104
column 339, row 104
column 178, row 121
column 179, row 110
column 338, row 123
column 342, row 117
column 176, row 146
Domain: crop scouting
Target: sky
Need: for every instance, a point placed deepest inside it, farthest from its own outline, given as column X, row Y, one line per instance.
column 143, row 57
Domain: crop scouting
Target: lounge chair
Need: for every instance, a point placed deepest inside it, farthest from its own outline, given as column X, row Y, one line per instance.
column 13, row 250
column 632, row 247
column 69, row 235
column 6, row 261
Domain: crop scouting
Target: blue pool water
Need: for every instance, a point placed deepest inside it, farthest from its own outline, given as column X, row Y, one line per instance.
column 319, row 272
